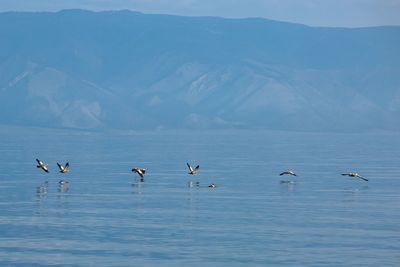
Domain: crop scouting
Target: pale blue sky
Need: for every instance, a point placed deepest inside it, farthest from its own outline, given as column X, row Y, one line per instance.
column 347, row 13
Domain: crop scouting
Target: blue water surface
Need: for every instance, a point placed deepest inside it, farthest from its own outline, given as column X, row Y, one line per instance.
column 108, row 217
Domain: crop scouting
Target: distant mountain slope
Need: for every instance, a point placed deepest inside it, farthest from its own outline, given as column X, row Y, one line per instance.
column 123, row 69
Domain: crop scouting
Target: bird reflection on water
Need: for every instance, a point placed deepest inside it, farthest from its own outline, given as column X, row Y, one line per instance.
column 356, row 189
column 287, row 185
column 63, row 186
column 137, row 186
column 192, row 184
column 42, row 189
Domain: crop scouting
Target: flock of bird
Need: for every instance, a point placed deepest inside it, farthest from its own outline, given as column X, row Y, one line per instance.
column 350, row 174
column 141, row 172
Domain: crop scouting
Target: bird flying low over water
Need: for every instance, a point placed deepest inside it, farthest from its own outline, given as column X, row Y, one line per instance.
column 212, row 185
column 193, row 170
column 63, row 183
column 288, row 173
column 139, row 171
column 42, row 165
column 354, row 174
column 63, row 169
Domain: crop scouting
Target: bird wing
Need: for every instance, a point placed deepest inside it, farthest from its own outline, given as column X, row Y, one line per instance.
column 60, row 166
column 345, row 174
column 67, row 164
column 365, row 179
column 190, row 167
column 143, row 171
column 197, row 167
column 282, row 173
column 140, row 174
column 39, row 162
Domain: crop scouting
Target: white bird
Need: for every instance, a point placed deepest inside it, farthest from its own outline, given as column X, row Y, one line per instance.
column 288, row 173
column 139, row 171
column 354, row 174
column 42, row 165
column 63, row 183
column 63, row 169
column 212, row 185
column 193, row 170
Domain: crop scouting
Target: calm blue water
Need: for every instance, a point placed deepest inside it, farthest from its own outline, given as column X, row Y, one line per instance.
column 107, row 217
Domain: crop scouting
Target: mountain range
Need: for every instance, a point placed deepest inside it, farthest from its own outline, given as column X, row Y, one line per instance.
column 127, row 70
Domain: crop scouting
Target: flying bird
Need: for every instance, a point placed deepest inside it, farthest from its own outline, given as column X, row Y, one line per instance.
column 354, row 174
column 42, row 165
column 63, row 169
column 63, row 183
column 193, row 170
column 212, row 185
column 139, row 171
column 288, row 173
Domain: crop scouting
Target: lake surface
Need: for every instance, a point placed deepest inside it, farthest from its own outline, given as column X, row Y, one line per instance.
column 107, row 217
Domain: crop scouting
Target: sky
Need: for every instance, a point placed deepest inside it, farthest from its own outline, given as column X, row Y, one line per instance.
column 333, row 13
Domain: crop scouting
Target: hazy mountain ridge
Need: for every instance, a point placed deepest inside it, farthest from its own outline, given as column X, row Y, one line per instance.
column 82, row 69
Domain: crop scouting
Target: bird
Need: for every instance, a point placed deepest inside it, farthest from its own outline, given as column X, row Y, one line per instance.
column 354, row 174
column 42, row 165
column 288, row 173
column 63, row 169
column 139, row 171
column 212, row 185
column 193, row 170
column 63, row 183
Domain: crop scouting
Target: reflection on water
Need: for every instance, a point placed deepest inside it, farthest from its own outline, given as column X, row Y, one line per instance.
column 42, row 189
column 354, row 194
column 137, row 187
column 287, row 185
column 63, row 186
column 192, row 184
column 357, row 189
column 105, row 216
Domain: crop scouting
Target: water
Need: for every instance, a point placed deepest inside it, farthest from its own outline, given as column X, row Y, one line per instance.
column 107, row 217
